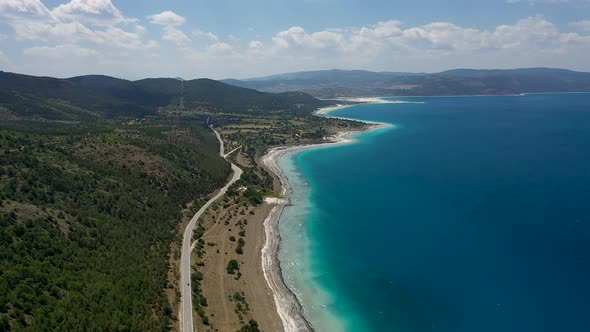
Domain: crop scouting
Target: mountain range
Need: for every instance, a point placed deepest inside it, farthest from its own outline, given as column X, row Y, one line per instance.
column 356, row 83
column 96, row 96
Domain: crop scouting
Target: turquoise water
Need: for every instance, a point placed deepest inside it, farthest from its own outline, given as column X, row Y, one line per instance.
column 471, row 214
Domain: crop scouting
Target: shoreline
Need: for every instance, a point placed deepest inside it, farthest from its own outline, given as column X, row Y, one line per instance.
column 287, row 304
column 378, row 100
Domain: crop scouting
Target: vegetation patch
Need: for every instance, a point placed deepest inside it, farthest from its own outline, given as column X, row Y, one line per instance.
column 252, row 326
column 242, row 306
column 199, row 300
column 240, row 247
column 233, row 266
column 84, row 239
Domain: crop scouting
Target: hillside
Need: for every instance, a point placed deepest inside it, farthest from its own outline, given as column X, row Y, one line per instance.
column 229, row 98
column 335, row 83
column 94, row 97
column 97, row 175
column 84, row 97
column 87, row 217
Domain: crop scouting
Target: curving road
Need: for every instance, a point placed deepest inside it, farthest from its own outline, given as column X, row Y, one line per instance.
column 186, row 299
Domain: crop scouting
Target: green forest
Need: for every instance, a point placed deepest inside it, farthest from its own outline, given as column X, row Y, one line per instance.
column 87, row 215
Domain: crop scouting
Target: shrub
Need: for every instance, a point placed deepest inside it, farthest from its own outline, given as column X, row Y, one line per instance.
column 233, row 266
column 240, row 247
column 252, row 326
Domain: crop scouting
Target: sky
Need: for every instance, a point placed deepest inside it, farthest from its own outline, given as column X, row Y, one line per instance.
column 219, row 39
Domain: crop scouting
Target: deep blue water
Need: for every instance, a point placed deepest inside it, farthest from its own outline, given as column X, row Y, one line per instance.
column 472, row 214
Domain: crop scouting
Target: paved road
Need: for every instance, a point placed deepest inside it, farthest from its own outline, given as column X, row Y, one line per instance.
column 186, row 300
column 221, row 146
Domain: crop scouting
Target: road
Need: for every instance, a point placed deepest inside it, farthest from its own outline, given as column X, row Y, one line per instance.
column 221, row 146
column 186, row 300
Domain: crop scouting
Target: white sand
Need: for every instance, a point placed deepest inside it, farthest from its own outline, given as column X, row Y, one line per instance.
column 362, row 100
column 367, row 100
column 288, row 307
column 275, row 200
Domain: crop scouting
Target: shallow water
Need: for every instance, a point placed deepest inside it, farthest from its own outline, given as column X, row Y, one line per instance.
column 472, row 214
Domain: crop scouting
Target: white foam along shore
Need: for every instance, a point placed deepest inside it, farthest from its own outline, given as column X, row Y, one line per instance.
column 288, row 306
column 367, row 100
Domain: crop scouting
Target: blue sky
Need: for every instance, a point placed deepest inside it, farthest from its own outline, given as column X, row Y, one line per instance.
column 232, row 38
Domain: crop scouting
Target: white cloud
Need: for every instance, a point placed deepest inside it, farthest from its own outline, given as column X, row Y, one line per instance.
column 233, row 38
column 75, row 32
column 99, row 12
column 170, row 32
column 582, row 25
column 390, row 45
column 78, row 36
column 77, row 21
column 256, row 46
column 434, row 37
column 296, row 36
column 23, row 8
column 168, row 18
column 573, row 39
column 176, row 36
column 125, row 39
column 60, row 51
column 139, row 29
column 62, row 32
column 220, row 49
column 207, row 34
column 122, row 47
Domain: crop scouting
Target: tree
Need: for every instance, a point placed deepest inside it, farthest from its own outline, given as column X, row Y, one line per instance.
column 4, row 325
column 240, row 247
column 252, row 326
column 233, row 266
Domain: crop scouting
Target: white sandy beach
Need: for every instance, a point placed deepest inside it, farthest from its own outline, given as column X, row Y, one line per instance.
column 288, row 306
column 366, row 100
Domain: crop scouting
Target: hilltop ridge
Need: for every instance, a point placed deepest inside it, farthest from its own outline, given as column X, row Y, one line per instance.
column 351, row 83
column 97, row 96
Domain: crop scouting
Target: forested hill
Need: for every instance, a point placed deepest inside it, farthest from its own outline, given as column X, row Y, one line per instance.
column 96, row 175
column 94, row 96
column 349, row 83
column 87, row 217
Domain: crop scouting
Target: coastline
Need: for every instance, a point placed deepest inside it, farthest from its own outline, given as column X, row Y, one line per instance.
column 287, row 304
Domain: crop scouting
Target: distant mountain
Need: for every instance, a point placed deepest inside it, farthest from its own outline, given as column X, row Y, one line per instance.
column 96, row 96
column 334, row 75
column 337, row 83
column 314, row 80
